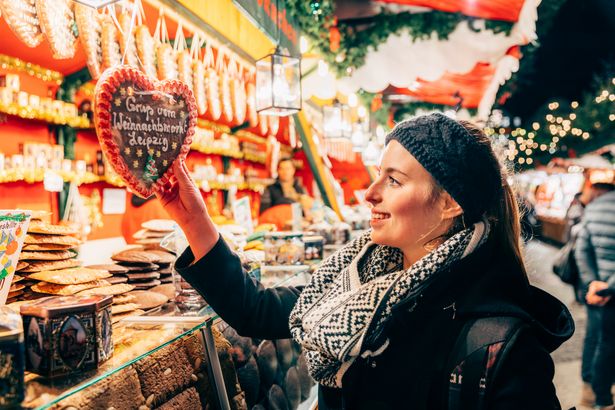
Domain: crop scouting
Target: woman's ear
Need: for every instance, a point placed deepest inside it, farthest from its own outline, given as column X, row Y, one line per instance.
column 450, row 208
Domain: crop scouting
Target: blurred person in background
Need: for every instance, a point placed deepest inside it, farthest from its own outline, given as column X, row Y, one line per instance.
column 595, row 258
column 285, row 190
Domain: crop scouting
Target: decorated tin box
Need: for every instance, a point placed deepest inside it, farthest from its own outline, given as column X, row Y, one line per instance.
column 67, row 334
column 11, row 359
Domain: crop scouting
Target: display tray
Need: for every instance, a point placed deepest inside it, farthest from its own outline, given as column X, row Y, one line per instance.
column 139, row 337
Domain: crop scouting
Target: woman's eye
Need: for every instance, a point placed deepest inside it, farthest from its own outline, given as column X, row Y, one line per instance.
column 392, row 181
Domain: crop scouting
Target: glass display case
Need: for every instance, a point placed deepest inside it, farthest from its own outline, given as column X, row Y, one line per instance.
column 137, row 341
column 162, row 358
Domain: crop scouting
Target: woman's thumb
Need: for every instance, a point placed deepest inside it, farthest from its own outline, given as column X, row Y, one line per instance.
column 181, row 173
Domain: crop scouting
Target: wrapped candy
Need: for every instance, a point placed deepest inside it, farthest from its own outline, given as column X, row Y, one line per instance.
column 224, row 86
column 238, row 94
column 146, row 50
column 90, row 31
column 167, row 62
column 110, row 46
column 212, row 86
column 200, row 93
column 127, row 41
column 251, row 100
column 57, row 22
column 184, row 68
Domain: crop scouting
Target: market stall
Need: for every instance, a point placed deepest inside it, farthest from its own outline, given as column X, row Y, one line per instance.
column 550, row 190
column 91, row 321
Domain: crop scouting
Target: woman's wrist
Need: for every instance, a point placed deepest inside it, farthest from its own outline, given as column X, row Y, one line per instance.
column 202, row 237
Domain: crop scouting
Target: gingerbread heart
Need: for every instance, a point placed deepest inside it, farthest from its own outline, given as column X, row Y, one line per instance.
column 143, row 126
column 21, row 17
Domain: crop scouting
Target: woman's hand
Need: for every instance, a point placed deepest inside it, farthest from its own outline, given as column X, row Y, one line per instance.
column 184, row 203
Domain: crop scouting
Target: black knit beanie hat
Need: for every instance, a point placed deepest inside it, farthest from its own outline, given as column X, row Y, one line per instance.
column 464, row 167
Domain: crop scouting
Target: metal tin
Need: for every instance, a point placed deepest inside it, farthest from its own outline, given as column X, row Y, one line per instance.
column 11, row 358
column 314, row 247
column 67, row 334
column 284, row 248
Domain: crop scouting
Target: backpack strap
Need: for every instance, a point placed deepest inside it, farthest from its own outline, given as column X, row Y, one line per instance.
column 480, row 349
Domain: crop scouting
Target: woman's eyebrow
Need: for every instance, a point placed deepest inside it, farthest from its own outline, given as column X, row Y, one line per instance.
column 389, row 170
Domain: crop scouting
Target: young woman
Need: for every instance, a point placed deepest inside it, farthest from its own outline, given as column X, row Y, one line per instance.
column 379, row 318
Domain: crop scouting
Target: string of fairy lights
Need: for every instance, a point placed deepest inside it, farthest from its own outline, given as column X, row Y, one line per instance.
column 560, row 125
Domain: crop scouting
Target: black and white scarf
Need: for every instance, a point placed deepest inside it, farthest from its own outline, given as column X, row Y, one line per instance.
column 352, row 294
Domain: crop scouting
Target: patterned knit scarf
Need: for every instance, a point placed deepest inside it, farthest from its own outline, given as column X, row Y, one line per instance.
column 350, row 297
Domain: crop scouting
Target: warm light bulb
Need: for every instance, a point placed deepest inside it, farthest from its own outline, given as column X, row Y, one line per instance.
column 303, row 44
column 353, row 101
column 362, row 111
column 323, row 68
column 529, row 161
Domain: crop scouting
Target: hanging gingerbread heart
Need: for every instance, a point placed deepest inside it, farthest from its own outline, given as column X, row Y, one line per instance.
column 21, row 17
column 143, row 126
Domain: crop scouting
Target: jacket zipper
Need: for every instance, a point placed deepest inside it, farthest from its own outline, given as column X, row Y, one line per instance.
column 452, row 306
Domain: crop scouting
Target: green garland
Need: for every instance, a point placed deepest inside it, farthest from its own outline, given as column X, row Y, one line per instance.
column 401, row 112
column 316, row 18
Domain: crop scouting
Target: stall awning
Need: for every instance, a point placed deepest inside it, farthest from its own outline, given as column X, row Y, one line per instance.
column 506, row 10
column 435, row 70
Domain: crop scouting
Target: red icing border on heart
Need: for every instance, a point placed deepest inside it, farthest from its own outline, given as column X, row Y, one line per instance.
column 108, row 83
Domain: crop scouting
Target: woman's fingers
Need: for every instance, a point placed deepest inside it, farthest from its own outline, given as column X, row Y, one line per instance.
column 181, row 173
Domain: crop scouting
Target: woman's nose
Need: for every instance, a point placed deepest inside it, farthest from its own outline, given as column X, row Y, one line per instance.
column 372, row 195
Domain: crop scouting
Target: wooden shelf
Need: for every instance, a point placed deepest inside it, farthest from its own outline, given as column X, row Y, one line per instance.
column 28, row 113
column 225, row 186
column 37, row 176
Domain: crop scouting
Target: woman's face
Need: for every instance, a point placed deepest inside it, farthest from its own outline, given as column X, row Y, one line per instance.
column 286, row 171
column 403, row 213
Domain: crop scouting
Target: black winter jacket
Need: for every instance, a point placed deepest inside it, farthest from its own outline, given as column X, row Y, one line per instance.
column 413, row 372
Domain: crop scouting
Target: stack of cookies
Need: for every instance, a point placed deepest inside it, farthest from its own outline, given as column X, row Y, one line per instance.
column 165, row 259
column 152, row 233
column 123, row 302
column 146, row 269
column 69, row 281
column 17, row 289
column 46, row 248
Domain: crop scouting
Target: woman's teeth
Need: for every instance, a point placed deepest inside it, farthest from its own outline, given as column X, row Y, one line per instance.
column 380, row 216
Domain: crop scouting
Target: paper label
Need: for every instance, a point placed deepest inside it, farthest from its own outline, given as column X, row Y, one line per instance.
column 13, row 229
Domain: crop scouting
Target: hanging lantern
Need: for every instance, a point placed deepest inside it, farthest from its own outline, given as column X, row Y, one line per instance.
column 336, row 120
column 371, row 154
column 360, row 136
column 278, row 84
